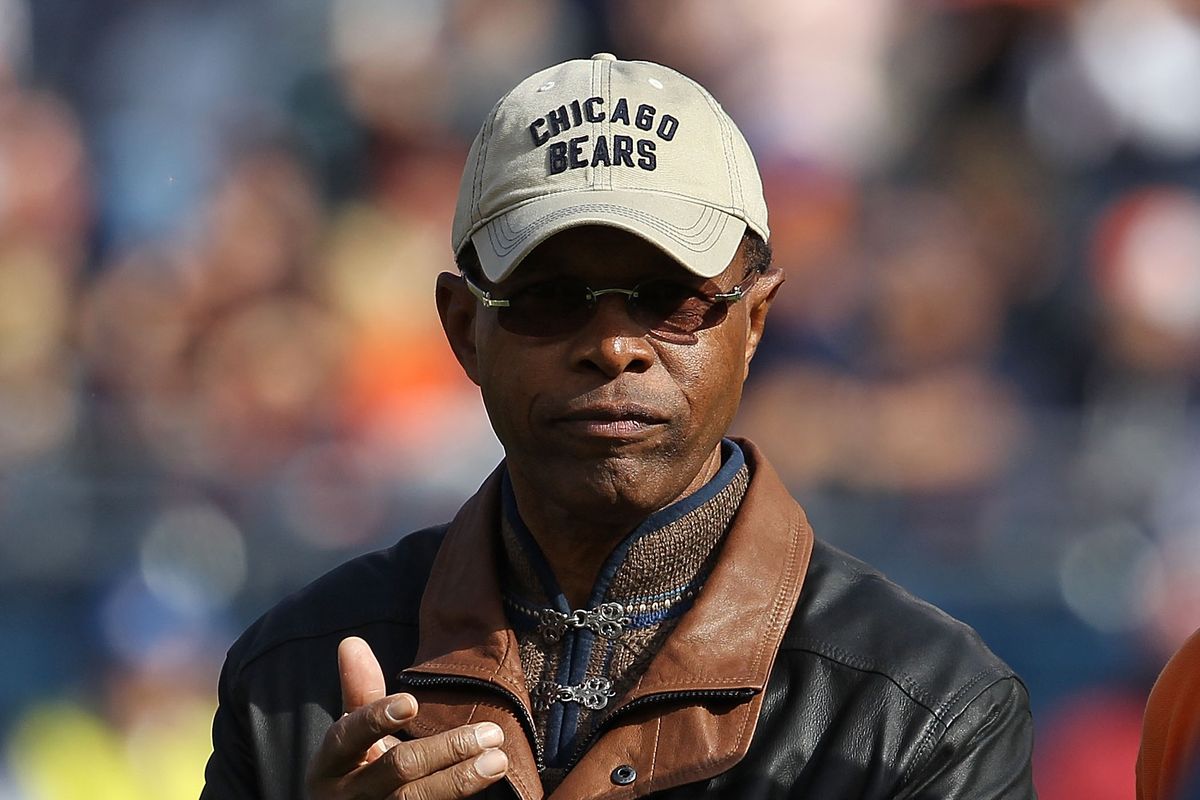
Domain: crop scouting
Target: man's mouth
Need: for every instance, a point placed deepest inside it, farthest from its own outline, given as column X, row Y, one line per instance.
column 611, row 420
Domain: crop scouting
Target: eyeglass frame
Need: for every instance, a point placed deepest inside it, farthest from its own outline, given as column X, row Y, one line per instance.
column 729, row 298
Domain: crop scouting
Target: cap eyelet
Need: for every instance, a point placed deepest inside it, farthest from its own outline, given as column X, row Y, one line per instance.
column 655, row 82
column 624, row 775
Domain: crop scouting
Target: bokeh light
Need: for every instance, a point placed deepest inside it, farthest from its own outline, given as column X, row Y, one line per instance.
column 193, row 558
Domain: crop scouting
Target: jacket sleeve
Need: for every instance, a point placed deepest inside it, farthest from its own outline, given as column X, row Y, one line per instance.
column 984, row 754
column 231, row 770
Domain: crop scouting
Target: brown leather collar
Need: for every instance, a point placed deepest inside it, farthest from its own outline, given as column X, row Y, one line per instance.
column 726, row 641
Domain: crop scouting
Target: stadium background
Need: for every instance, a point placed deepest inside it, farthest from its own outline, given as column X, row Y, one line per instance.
column 221, row 371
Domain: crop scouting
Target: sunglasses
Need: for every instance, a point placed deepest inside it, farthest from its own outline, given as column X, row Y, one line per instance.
column 668, row 309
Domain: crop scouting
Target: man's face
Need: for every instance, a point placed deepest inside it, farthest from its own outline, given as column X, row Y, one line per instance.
column 609, row 419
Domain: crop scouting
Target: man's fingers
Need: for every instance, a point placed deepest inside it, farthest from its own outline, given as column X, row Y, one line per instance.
column 379, row 748
column 462, row 780
column 347, row 741
column 361, row 675
column 419, row 758
column 446, row 756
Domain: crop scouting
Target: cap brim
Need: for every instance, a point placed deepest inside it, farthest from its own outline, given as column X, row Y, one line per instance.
column 703, row 239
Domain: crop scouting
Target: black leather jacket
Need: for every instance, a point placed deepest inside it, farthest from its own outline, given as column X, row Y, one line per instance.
column 861, row 691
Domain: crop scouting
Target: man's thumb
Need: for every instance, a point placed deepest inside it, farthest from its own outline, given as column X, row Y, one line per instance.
column 361, row 675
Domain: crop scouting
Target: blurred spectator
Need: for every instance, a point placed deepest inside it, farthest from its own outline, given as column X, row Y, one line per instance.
column 1168, row 766
column 150, row 745
column 14, row 42
column 43, row 225
column 1089, row 744
column 810, row 79
column 919, row 409
column 1123, row 75
column 1147, row 263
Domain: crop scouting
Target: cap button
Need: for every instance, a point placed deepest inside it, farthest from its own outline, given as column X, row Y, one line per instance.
column 604, row 57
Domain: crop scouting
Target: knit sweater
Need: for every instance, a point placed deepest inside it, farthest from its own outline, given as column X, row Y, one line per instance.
column 579, row 663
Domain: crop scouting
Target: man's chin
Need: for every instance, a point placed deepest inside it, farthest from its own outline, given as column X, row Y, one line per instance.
column 619, row 480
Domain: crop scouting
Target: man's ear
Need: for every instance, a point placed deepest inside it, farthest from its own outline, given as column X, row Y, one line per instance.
column 762, row 294
column 457, row 308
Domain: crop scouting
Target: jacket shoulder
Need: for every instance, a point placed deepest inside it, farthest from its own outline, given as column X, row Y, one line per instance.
column 384, row 586
column 851, row 614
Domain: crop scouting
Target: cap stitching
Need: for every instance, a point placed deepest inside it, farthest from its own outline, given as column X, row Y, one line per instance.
column 597, row 77
column 606, row 123
column 489, row 127
column 506, row 253
column 696, row 230
column 732, row 211
column 691, row 198
column 739, row 195
column 475, row 211
column 713, row 226
column 604, row 80
column 486, row 136
column 727, row 143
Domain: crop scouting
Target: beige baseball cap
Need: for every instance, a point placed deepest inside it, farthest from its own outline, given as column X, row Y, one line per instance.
column 599, row 141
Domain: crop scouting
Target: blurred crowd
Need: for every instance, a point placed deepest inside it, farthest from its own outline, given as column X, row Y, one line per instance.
column 221, row 371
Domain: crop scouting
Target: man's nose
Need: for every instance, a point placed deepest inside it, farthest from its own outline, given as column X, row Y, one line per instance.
column 612, row 341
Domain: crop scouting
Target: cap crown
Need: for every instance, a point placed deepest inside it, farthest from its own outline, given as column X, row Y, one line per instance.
column 629, row 139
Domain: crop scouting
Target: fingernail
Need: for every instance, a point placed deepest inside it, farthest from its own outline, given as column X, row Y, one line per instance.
column 383, row 745
column 488, row 734
column 491, row 763
column 401, row 708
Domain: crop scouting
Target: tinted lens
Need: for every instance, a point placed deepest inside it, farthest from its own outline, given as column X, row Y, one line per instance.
column 560, row 306
column 548, row 308
column 670, row 307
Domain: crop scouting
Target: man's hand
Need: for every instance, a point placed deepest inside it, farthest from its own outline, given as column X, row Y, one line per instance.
column 360, row 759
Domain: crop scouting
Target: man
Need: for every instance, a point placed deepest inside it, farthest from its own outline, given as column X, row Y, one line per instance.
column 632, row 604
column 1168, row 765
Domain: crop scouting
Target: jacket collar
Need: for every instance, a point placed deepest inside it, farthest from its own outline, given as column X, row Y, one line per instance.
column 726, row 642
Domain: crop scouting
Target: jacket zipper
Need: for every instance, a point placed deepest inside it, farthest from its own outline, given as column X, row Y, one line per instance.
column 523, row 714
column 660, row 697
column 526, row 719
